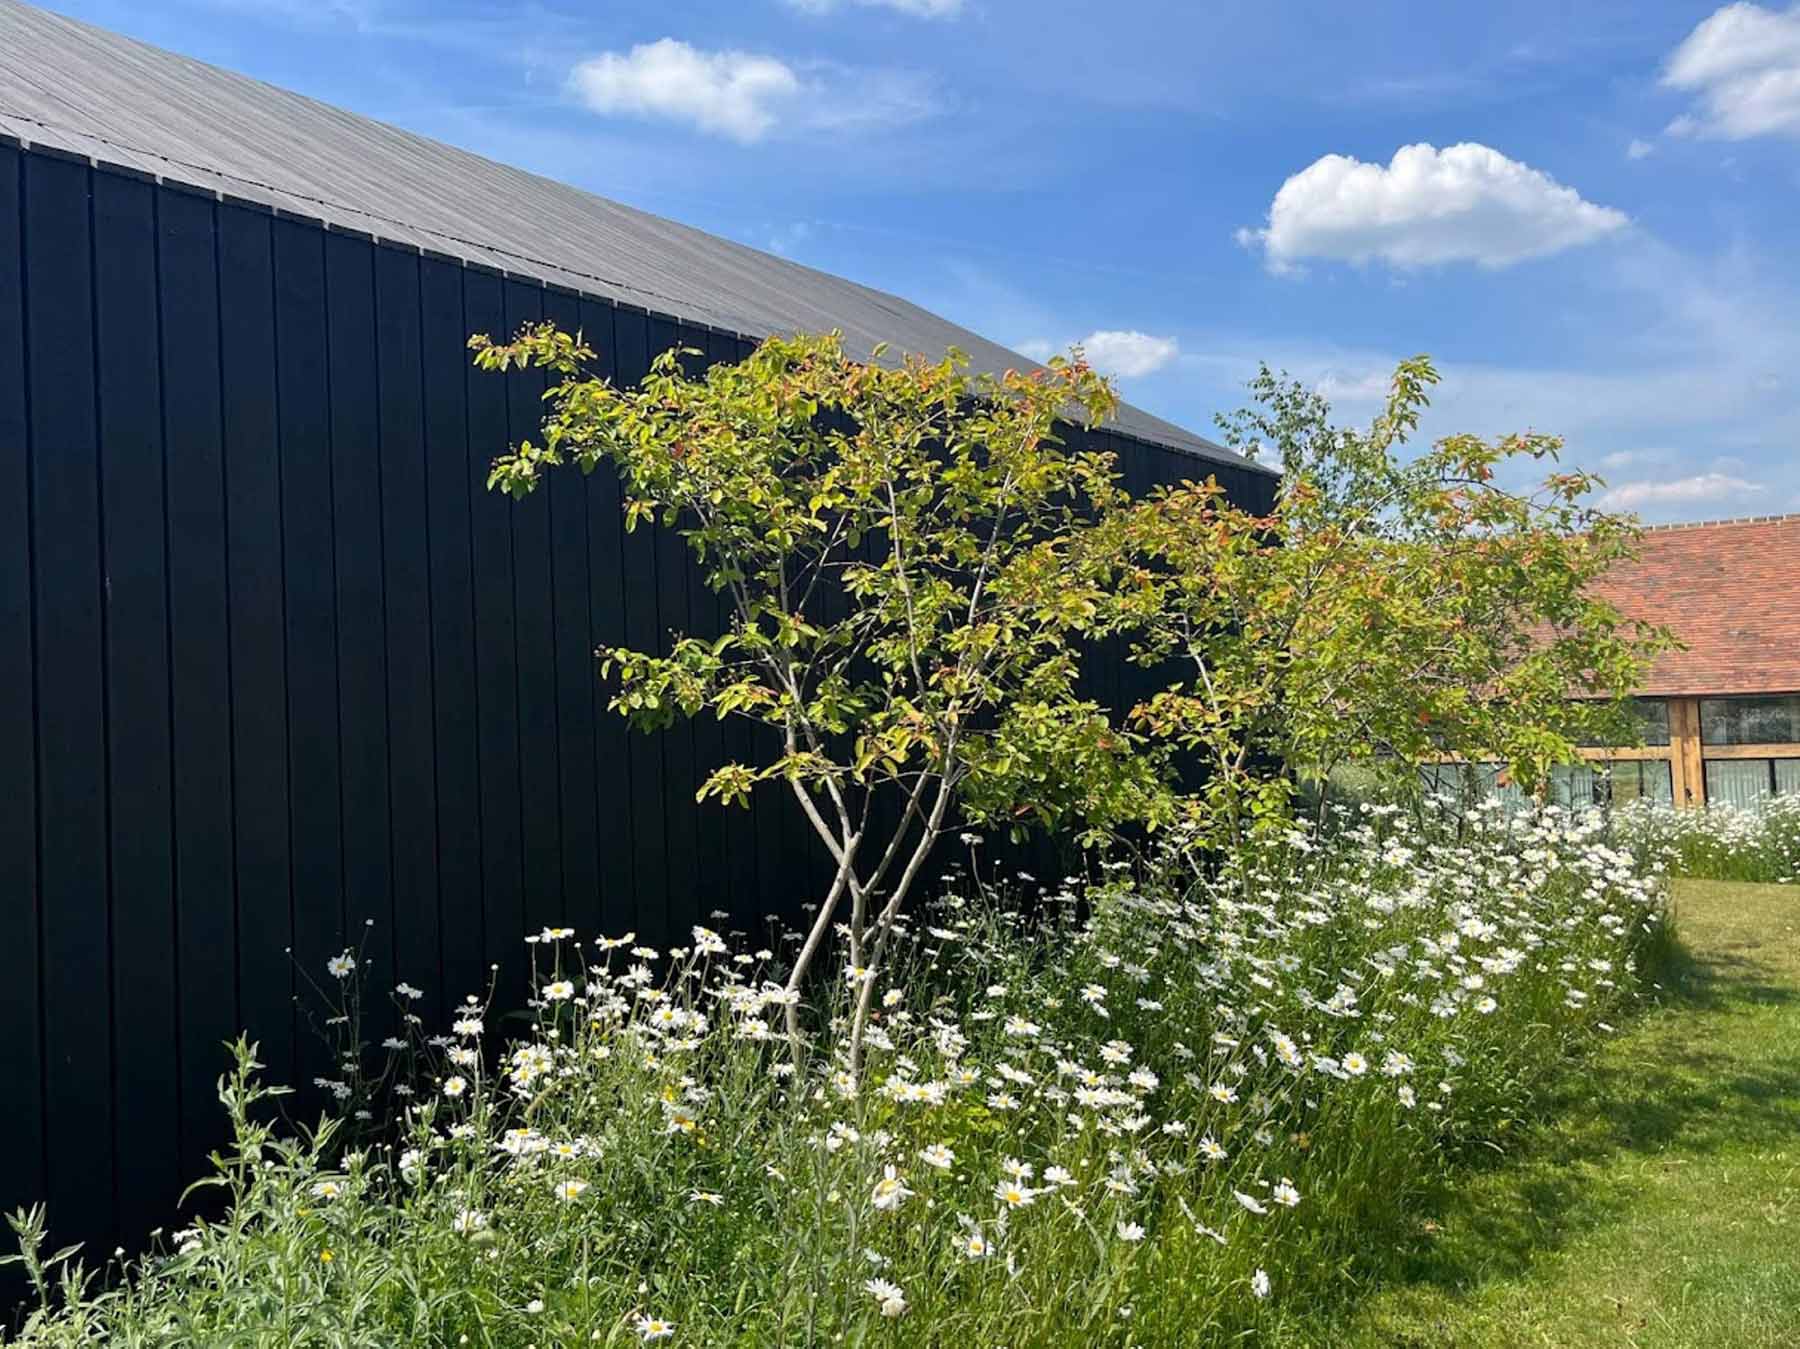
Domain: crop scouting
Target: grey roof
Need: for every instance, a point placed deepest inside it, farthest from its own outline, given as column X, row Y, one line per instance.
column 77, row 88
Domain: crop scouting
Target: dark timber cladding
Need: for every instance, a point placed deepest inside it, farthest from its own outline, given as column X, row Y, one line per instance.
column 277, row 667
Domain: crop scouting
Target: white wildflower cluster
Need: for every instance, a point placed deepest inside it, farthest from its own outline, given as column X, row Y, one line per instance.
column 1164, row 1062
column 1721, row 842
column 1150, row 1083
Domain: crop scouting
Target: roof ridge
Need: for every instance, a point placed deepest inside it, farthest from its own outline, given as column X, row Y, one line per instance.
column 1729, row 520
column 456, row 199
column 341, row 206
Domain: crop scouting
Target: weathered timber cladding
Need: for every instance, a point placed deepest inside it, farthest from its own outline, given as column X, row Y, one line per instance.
column 275, row 663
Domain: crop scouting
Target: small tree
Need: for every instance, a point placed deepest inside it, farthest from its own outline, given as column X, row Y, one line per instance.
column 1389, row 609
column 907, row 606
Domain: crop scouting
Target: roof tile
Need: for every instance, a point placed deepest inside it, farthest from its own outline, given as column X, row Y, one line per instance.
column 1731, row 591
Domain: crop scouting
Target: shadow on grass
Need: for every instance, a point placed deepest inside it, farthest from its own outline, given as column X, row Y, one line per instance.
column 1672, row 1086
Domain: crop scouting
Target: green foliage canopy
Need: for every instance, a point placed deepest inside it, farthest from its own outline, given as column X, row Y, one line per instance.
column 1391, row 608
column 898, row 543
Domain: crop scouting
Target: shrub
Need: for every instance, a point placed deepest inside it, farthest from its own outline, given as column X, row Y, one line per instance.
column 1177, row 1105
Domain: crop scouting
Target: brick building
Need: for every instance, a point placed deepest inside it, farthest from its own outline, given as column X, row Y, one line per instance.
column 1722, row 717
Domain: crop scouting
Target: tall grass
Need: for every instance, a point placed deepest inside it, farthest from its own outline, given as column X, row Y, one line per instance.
column 1719, row 843
column 1178, row 1106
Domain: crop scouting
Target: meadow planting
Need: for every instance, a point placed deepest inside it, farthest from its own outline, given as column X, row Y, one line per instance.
column 1169, row 1103
column 1719, row 843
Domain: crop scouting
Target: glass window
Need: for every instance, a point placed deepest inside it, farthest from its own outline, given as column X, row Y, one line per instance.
column 1654, row 713
column 1572, row 785
column 1750, row 721
column 1738, row 782
column 1456, row 779
column 1617, row 780
column 1787, row 777
column 1640, row 779
column 1653, row 719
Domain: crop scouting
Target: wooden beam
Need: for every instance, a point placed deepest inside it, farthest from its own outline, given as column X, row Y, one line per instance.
column 1688, row 778
column 1779, row 750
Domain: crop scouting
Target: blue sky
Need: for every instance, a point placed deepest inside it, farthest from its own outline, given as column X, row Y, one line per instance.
column 1586, row 214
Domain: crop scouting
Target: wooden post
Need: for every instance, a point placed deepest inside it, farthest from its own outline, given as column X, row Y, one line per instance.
column 1687, row 776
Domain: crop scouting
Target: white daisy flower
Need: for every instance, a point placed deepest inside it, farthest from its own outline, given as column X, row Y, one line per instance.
column 891, row 1299
column 653, row 1328
column 890, row 1191
column 1014, row 1195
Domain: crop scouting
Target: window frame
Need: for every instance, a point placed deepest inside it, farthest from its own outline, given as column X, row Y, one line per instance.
column 1711, row 709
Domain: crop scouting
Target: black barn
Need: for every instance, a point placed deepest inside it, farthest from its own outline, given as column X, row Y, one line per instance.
column 271, row 660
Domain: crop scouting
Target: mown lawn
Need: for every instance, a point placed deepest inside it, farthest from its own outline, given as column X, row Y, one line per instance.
column 1663, row 1206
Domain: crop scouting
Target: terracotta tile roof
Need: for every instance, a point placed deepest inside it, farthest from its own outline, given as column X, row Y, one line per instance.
column 1730, row 589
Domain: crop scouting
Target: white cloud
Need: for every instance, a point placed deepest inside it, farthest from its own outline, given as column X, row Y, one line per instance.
column 1124, row 353
column 1641, row 458
column 1743, row 66
column 1670, row 492
column 1639, row 149
column 1359, row 388
column 786, row 239
column 1128, row 354
column 1464, row 203
column 743, row 95
column 922, row 9
column 730, row 93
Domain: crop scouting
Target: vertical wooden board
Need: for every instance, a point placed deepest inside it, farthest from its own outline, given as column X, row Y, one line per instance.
column 574, row 671
column 406, row 566
column 680, row 764
column 1091, row 684
column 356, row 509
column 310, row 599
column 1102, row 659
column 199, row 666
column 759, row 877
column 615, row 784
column 713, row 878
column 642, row 623
column 70, row 639
column 1145, row 467
column 770, row 806
column 1257, row 491
column 450, row 477
column 137, row 720
column 1263, row 489
column 496, row 647
column 539, row 811
column 259, row 695
column 736, row 746
column 1142, row 470
column 22, row 1126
